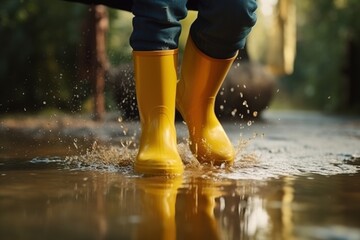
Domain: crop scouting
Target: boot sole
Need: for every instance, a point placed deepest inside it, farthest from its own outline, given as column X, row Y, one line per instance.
column 156, row 168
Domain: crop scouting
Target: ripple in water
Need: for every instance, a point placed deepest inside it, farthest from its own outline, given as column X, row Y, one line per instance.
column 252, row 165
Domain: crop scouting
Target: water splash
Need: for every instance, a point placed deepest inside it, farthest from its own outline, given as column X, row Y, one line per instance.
column 249, row 164
column 108, row 158
column 268, row 160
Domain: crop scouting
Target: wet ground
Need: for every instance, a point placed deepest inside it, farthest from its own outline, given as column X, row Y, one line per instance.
column 296, row 176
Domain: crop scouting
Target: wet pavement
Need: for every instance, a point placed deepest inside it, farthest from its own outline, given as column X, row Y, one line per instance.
column 296, row 176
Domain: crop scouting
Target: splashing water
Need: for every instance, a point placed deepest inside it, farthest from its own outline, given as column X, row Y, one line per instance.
column 250, row 164
column 108, row 158
column 285, row 145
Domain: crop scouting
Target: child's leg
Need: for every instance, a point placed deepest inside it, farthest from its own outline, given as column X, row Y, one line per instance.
column 156, row 24
column 222, row 26
column 154, row 40
column 215, row 37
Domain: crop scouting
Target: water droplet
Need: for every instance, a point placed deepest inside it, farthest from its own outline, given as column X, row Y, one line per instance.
column 249, row 123
column 221, row 107
column 255, row 113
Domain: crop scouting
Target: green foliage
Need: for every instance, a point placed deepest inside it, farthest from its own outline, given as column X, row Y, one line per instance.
column 326, row 27
column 38, row 56
column 120, row 28
column 40, row 40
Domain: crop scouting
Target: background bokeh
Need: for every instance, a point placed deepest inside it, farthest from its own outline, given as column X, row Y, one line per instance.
column 41, row 42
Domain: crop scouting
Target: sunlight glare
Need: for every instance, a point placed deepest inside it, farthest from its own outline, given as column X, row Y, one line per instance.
column 267, row 7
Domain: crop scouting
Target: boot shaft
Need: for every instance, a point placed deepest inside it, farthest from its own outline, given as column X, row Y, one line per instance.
column 203, row 75
column 155, row 80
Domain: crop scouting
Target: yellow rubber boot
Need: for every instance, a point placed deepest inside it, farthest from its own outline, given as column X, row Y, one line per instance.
column 201, row 79
column 198, row 204
column 158, row 205
column 155, row 81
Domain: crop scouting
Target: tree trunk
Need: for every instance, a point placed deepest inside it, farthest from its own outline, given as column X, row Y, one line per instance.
column 98, row 26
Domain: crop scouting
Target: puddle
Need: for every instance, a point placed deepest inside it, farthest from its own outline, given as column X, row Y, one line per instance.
column 44, row 198
column 298, row 184
column 248, row 165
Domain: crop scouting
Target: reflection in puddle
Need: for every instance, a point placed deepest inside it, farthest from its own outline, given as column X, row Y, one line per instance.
column 50, row 200
column 298, row 184
column 221, row 210
column 65, row 203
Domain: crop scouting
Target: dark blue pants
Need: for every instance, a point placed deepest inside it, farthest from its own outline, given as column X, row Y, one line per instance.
column 219, row 30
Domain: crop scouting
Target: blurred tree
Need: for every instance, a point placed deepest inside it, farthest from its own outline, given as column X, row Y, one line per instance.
column 272, row 41
column 38, row 54
column 40, row 43
column 93, row 60
column 327, row 65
